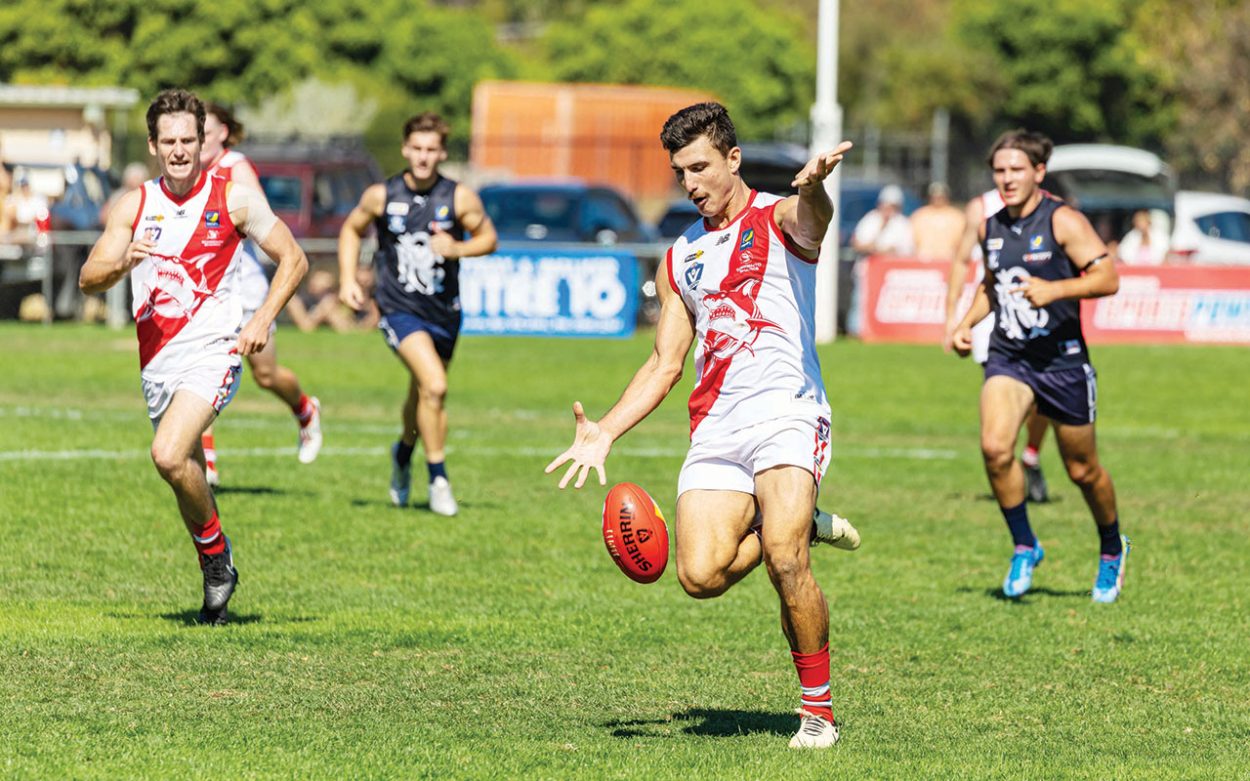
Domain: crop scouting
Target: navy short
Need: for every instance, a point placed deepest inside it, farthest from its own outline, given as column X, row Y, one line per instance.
column 1067, row 396
column 398, row 326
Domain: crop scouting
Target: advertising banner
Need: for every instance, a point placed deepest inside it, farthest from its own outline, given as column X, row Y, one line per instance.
column 550, row 293
column 905, row 301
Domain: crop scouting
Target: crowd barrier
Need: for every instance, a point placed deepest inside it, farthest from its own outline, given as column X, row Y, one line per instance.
column 904, row 300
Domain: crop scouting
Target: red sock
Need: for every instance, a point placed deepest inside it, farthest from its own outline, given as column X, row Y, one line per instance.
column 208, row 539
column 210, row 452
column 303, row 409
column 813, row 672
column 1030, row 456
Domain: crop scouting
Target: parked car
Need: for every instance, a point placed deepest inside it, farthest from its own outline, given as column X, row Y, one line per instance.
column 313, row 187
column 1108, row 183
column 1212, row 229
column 676, row 218
column 563, row 211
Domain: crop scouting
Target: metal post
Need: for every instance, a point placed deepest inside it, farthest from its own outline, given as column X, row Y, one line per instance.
column 939, row 146
column 826, row 133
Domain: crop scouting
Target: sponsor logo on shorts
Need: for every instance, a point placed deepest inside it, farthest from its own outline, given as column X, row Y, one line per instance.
column 1070, row 347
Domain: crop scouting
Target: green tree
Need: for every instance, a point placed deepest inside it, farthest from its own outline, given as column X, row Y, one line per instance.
column 757, row 62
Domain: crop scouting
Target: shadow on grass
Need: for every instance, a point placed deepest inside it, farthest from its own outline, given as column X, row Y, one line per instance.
column 712, row 722
column 255, row 490
column 192, row 618
column 1041, row 591
column 424, row 507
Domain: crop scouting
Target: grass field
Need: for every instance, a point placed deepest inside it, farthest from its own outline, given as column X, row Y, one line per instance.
column 370, row 642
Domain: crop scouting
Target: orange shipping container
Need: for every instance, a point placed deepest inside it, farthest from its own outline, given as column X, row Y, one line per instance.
column 600, row 133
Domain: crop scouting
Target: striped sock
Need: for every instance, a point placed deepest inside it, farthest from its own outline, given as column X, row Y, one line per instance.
column 208, row 539
column 813, row 672
column 303, row 409
column 210, row 451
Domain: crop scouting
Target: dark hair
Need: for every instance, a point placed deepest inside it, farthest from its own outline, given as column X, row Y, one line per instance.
column 1036, row 146
column 234, row 128
column 175, row 101
column 702, row 119
column 427, row 122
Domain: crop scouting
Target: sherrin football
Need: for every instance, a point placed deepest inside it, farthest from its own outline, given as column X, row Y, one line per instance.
column 634, row 531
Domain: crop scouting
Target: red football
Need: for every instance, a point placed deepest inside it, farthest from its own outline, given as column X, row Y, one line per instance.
column 634, row 531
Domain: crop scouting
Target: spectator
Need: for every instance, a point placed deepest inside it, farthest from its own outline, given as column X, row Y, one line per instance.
column 23, row 210
column 884, row 230
column 937, row 227
column 1144, row 245
column 133, row 177
column 318, row 304
column 6, row 180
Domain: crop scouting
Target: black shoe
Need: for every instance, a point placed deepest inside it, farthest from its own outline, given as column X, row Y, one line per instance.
column 1036, row 483
column 220, row 580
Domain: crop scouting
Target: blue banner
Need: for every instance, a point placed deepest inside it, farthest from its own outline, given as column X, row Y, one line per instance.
column 550, row 293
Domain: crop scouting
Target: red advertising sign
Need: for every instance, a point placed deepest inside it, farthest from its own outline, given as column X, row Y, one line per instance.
column 905, row 301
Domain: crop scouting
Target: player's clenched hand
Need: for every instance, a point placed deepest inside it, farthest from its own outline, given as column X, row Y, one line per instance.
column 253, row 337
column 961, row 341
column 138, row 251
column 444, row 245
column 589, row 451
column 350, row 293
column 1037, row 291
column 948, row 336
column 820, row 166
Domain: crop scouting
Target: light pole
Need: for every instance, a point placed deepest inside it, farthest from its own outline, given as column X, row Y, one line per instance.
column 826, row 133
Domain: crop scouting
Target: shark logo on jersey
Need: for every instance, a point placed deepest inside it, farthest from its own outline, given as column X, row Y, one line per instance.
column 694, row 274
column 734, row 321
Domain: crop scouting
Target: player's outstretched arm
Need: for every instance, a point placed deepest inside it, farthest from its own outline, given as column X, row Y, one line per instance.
column 114, row 253
column 1082, row 244
column 973, row 218
column 805, row 217
column 372, row 201
column 250, row 211
column 592, row 440
column 472, row 215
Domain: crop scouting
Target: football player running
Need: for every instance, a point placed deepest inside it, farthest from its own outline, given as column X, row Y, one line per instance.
column 741, row 282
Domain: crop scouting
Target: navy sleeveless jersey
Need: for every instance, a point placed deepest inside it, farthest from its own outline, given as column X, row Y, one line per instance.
column 1049, row 338
column 411, row 277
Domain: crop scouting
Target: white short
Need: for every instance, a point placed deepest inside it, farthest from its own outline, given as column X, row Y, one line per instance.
column 214, row 377
column 981, row 339
column 731, row 462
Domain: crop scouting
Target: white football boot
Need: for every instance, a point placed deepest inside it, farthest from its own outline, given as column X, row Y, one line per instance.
column 441, row 500
column 834, row 530
column 814, row 731
column 310, row 435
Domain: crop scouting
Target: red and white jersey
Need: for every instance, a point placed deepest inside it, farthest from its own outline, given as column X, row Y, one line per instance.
column 991, row 203
column 184, row 292
column 753, row 296
column 254, row 282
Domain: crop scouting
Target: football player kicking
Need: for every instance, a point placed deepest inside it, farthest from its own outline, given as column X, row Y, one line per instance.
column 742, row 281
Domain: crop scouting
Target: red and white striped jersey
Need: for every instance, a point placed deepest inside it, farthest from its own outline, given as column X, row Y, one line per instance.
column 224, row 167
column 753, row 296
column 184, row 292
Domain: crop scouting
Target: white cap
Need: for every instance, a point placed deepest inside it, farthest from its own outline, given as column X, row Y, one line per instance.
column 891, row 194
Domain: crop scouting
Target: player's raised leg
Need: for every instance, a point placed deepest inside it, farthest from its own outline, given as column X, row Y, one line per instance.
column 715, row 547
column 179, row 458
column 283, row 383
column 787, row 497
column 1005, row 402
column 1078, row 448
column 429, row 375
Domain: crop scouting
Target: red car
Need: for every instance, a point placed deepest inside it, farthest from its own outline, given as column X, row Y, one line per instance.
column 312, row 188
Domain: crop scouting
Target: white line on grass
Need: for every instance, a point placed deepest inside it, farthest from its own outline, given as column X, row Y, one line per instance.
column 920, row 454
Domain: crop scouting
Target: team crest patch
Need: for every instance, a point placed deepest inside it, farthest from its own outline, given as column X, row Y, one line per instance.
column 212, row 219
column 748, row 239
column 694, row 274
column 1037, row 242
